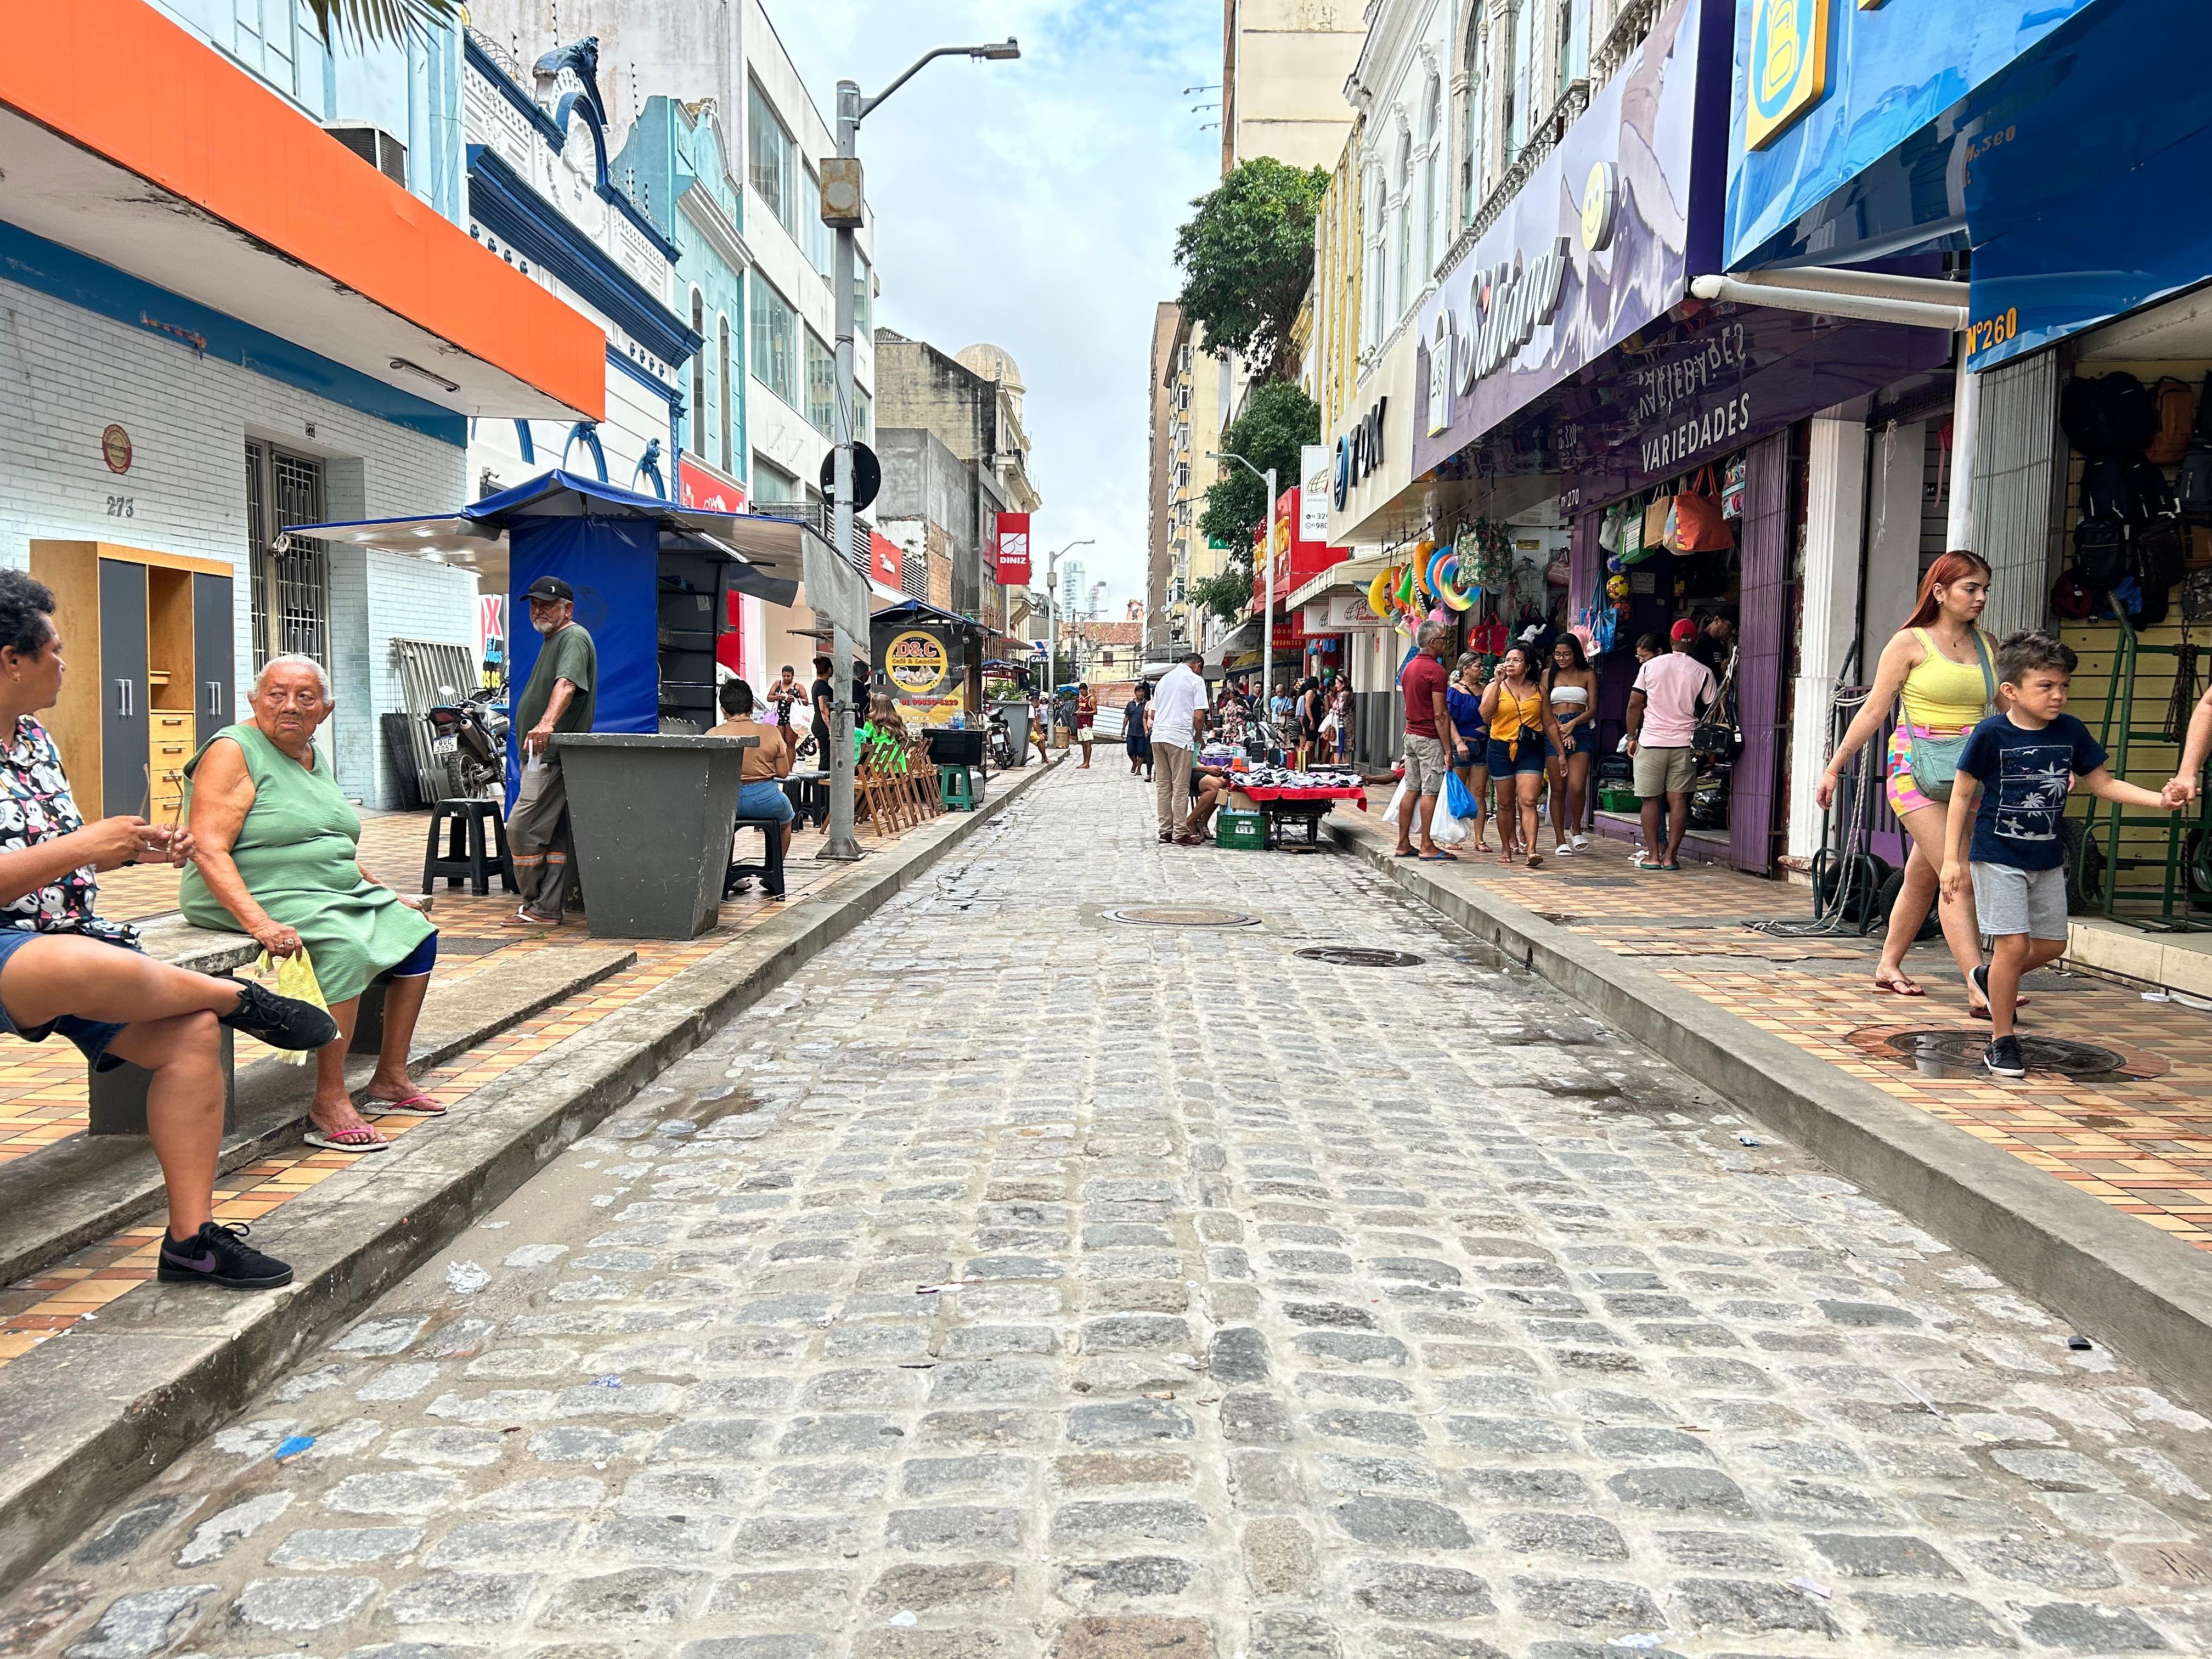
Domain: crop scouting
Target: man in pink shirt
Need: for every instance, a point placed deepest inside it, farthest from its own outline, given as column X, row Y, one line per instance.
column 1662, row 712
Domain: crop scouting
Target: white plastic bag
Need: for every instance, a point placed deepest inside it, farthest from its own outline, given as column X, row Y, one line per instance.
column 1397, row 800
column 1444, row 829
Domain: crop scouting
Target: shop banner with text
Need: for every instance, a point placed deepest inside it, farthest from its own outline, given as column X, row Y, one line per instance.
column 1013, row 559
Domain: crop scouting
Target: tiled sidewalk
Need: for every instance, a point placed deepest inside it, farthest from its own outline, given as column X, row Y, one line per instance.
column 2141, row 1141
column 42, row 1086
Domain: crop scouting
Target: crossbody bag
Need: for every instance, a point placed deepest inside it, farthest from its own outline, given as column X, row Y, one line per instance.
column 1935, row 760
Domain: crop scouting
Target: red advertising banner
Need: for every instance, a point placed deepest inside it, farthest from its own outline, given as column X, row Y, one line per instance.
column 696, row 487
column 1013, row 560
column 884, row 559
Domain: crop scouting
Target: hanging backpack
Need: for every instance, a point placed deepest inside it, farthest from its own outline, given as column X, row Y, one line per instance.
column 2176, row 420
column 2112, row 415
column 2196, row 596
column 2193, row 483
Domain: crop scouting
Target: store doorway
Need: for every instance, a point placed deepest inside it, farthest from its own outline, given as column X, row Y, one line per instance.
column 291, row 589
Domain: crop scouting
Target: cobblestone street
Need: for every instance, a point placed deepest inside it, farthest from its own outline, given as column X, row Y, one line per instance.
column 1018, row 1282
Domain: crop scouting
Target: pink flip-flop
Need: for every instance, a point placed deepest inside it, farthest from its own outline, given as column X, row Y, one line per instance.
column 413, row 1106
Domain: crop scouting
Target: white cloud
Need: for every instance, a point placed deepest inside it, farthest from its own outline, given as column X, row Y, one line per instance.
column 1034, row 204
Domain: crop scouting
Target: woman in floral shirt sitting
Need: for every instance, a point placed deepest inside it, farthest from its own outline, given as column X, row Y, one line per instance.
column 62, row 968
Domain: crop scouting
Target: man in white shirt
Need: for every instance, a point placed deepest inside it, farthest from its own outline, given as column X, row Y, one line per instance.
column 1177, row 715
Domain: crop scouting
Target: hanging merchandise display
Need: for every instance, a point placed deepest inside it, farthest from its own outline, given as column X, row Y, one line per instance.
column 1694, row 521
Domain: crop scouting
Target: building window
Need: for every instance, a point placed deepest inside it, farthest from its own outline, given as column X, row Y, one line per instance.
column 291, row 590
column 722, row 381
column 1514, row 90
column 863, row 281
column 772, row 485
column 1475, row 134
column 265, row 42
column 1404, row 294
column 774, row 342
column 1574, row 42
column 821, row 387
column 772, row 158
column 699, row 375
column 1431, row 159
column 1377, row 299
column 815, row 234
column 863, row 415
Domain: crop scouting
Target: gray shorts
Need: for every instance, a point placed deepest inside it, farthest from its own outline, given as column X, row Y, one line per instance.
column 1662, row 771
column 2010, row 900
column 1424, row 765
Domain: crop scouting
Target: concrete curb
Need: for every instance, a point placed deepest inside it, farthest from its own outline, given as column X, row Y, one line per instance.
column 86, row 1418
column 2117, row 1279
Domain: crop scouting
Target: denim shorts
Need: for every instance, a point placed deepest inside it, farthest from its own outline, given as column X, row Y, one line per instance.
column 91, row 1036
column 763, row 798
column 1583, row 742
column 1504, row 762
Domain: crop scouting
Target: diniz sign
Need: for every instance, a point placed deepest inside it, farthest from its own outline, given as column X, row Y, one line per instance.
column 1511, row 303
column 1359, row 451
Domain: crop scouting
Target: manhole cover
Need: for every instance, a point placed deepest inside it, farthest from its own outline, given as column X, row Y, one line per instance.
column 1957, row 1053
column 1360, row 955
column 1181, row 915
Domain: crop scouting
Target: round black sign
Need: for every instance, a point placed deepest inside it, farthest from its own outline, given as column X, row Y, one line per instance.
column 867, row 476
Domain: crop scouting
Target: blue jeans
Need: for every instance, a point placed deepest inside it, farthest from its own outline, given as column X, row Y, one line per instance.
column 764, row 799
column 92, row 1037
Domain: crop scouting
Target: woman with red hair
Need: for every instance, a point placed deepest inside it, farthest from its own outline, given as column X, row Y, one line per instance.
column 1939, row 665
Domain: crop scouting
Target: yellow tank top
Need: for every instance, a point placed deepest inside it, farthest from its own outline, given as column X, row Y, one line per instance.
column 1939, row 692
column 1513, row 712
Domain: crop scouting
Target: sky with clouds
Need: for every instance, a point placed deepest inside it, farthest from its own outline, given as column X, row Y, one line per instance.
column 1034, row 204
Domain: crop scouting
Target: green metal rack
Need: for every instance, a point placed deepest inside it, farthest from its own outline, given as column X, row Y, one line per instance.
column 2179, row 910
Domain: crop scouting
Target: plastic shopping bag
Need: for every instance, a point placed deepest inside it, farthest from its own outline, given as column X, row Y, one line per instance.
column 1446, row 829
column 1460, row 798
column 290, row 977
column 1397, row 803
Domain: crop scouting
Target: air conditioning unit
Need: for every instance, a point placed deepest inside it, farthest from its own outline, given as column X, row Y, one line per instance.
column 374, row 146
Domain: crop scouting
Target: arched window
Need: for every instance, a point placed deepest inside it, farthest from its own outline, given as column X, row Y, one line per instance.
column 1432, row 162
column 1403, row 293
column 1474, row 135
column 698, row 438
column 1514, row 91
column 729, row 388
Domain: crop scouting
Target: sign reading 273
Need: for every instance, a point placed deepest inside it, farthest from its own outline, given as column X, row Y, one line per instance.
column 1992, row 330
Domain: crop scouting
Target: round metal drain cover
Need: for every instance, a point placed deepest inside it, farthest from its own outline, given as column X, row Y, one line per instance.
column 1360, row 955
column 1957, row 1053
column 1181, row 915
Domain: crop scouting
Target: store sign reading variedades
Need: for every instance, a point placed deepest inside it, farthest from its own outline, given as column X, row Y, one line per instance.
column 1511, row 303
column 1359, row 451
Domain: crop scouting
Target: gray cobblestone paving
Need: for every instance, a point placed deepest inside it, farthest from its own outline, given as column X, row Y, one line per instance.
column 1018, row 1284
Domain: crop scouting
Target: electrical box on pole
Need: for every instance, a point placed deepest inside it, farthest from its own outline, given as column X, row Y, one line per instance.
column 843, row 193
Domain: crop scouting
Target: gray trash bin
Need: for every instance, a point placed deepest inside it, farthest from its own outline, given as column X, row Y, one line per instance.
column 652, row 819
column 1017, row 715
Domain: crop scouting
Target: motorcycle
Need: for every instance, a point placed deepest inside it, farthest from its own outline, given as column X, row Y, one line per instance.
column 468, row 735
column 1003, row 757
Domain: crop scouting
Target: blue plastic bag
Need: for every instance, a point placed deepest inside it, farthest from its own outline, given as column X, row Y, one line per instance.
column 1460, row 798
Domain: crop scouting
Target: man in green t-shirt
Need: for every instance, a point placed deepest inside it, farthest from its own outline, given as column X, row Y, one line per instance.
column 560, row 696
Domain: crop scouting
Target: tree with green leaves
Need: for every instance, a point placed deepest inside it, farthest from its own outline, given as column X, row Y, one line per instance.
column 1278, row 421
column 1247, row 255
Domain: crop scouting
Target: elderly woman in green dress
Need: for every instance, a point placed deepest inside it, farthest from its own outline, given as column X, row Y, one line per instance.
column 279, row 858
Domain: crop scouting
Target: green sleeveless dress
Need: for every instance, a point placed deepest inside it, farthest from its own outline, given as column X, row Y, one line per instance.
column 298, row 854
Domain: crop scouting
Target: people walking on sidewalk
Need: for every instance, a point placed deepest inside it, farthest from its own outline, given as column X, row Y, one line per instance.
column 560, row 695
column 2001, row 827
column 278, row 856
column 1570, row 689
column 1470, row 752
column 1178, row 719
column 1939, row 665
column 1421, row 683
column 63, row 969
column 1135, row 739
column 1519, row 725
column 1086, row 722
column 1670, row 689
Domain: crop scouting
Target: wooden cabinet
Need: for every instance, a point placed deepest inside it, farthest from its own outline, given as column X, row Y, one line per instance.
column 147, row 637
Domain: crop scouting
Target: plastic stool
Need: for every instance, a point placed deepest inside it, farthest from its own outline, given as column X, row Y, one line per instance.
column 472, row 853
column 956, row 788
column 769, row 870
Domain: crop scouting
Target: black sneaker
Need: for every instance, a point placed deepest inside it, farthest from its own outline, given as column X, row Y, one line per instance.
column 2004, row 1059
column 219, row 1254
column 280, row 1022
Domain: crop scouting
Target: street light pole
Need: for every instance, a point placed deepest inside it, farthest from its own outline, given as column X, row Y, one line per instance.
column 1268, row 553
column 844, row 208
column 1052, row 625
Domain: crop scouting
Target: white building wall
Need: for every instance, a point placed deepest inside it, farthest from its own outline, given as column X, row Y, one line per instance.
column 72, row 372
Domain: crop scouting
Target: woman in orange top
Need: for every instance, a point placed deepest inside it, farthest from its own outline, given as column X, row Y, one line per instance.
column 1520, row 722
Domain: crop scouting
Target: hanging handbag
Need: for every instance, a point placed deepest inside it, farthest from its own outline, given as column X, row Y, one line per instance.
column 1717, row 733
column 1695, row 524
column 1935, row 760
column 1655, row 521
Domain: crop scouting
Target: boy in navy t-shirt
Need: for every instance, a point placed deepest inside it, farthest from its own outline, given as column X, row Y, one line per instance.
column 2011, row 789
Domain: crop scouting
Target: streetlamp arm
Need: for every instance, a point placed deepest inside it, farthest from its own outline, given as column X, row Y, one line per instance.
column 1006, row 48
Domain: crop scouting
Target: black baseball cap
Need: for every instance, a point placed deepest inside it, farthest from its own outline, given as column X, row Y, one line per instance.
column 550, row 588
